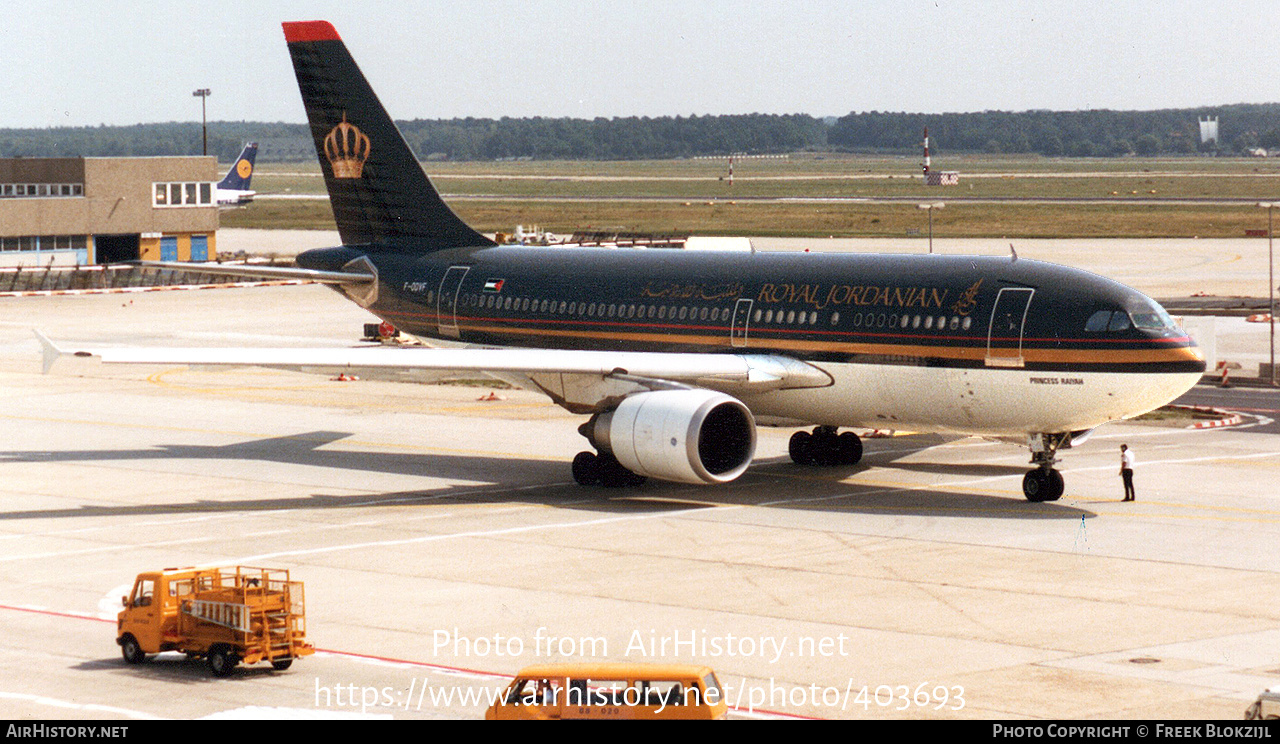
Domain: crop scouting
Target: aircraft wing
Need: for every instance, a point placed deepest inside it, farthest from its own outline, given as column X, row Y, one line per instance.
column 735, row 371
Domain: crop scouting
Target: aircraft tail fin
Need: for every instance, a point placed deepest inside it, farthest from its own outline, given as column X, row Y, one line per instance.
column 237, row 179
column 380, row 195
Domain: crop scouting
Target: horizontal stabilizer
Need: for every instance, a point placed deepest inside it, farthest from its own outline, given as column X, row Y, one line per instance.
column 263, row 272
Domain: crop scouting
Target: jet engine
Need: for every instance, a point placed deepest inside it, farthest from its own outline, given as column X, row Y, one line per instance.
column 689, row 436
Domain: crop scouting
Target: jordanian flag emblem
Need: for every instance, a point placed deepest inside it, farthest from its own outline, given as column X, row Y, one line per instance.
column 493, row 285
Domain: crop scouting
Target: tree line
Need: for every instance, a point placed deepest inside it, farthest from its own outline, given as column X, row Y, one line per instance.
column 1101, row 133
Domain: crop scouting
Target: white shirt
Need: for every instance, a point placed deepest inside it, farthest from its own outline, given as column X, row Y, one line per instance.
column 1126, row 460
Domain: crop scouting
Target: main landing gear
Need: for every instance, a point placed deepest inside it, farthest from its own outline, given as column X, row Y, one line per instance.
column 825, row 447
column 1044, row 483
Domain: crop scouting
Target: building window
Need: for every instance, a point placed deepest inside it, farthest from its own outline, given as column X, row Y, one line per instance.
column 11, row 190
column 182, row 194
column 44, row 243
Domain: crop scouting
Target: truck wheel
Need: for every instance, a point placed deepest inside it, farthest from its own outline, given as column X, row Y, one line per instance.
column 222, row 660
column 131, row 651
column 281, row 664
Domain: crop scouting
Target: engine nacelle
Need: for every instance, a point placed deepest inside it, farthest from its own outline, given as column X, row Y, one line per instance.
column 690, row 436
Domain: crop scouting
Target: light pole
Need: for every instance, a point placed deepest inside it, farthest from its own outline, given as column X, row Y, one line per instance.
column 203, row 94
column 1271, row 287
column 929, row 208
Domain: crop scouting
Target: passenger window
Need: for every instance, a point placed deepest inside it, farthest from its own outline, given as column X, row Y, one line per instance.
column 663, row 693
column 602, row 692
column 711, row 686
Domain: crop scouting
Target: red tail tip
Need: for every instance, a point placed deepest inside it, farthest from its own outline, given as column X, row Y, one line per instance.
column 310, row 31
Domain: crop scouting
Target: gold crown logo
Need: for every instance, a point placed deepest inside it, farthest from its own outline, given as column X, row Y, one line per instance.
column 346, row 149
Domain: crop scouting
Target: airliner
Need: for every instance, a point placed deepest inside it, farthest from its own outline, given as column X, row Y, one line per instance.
column 233, row 190
column 675, row 357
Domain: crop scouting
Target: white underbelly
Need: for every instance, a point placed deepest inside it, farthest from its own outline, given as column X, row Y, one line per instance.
column 988, row 401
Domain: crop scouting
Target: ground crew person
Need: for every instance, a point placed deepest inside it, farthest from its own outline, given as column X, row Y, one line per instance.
column 1126, row 471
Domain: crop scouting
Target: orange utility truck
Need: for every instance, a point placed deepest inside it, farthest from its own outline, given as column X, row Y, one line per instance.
column 226, row 615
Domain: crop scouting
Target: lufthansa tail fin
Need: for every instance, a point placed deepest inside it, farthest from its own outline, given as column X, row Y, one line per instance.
column 380, row 195
column 237, row 179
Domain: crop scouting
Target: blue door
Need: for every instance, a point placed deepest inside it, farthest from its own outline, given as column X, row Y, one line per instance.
column 199, row 247
column 168, row 249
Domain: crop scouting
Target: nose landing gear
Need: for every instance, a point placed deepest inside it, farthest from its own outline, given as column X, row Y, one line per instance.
column 1045, row 483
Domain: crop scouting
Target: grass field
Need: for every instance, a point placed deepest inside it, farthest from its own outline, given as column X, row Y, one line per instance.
column 1127, row 197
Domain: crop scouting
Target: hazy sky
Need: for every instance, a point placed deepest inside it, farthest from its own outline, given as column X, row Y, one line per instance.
column 89, row 62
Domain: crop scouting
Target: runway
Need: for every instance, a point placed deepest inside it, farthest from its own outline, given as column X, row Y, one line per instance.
column 444, row 545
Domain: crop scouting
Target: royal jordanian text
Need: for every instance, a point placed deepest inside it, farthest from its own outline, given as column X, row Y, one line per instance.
column 818, row 297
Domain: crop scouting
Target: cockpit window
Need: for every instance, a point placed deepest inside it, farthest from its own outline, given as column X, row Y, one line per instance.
column 1107, row 320
column 1144, row 315
column 1147, row 315
column 1156, row 320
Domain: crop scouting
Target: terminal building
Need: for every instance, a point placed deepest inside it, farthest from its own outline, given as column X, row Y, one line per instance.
column 78, row 211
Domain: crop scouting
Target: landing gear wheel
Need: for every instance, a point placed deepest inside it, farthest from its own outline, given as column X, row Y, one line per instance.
column 585, row 470
column 1056, row 485
column 613, row 475
column 1042, row 484
column 131, row 651
column 590, row 469
column 850, row 448
column 222, row 660
column 801, row 448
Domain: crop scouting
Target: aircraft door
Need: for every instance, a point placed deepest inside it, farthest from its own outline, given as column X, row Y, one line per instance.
column 741, row 321
column 1008, row 320
column 447, row 300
